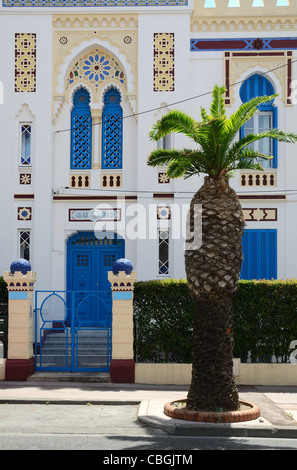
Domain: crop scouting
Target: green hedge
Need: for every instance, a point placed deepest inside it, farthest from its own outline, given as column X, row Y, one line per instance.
column 265, row 320
column 3, row 291
column 163, row 320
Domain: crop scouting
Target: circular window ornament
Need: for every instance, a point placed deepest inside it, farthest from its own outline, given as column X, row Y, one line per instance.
column 63, row 40
column 127, row 39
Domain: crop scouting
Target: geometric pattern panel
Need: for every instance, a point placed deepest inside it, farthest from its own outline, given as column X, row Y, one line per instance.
column 81, row 131
column 112, row 130
column 94, row 68
column 24, row 213
column 25, row 62
column 163, row 62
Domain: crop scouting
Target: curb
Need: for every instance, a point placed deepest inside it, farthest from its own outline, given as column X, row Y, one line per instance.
column 178, row 427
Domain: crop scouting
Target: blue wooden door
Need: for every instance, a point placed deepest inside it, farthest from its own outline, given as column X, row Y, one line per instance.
column 88, row 263
column 259, row 254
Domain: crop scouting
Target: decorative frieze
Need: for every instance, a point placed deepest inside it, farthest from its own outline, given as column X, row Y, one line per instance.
column 258, row 179
column 93, row 3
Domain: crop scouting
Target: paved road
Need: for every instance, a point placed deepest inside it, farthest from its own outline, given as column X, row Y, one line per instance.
column 109, row 428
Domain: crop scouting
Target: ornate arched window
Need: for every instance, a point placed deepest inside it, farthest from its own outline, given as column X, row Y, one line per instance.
column 81, row 131
column 112, row 130
column 265, row 119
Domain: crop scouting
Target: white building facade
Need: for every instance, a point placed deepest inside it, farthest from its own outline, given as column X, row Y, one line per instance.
column 81, row 84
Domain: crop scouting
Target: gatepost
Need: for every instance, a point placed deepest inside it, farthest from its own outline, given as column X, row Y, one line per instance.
column 20, row 281
column 122, row 279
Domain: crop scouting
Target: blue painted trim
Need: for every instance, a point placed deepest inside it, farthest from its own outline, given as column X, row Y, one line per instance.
column 17, row 295
column 122, row 295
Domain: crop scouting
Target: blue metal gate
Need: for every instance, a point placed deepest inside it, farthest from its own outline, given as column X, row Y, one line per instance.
column 64, row 340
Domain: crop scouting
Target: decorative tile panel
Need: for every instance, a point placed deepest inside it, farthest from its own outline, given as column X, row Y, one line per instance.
column 258, row 179
column 79, row 180
column 163, row 62
column 163, row 178
column 25, row 62
column 260, row 215
column 94, row 68
column 111, row 180
column 24, row 213
column 163, row 213
column 25, row 178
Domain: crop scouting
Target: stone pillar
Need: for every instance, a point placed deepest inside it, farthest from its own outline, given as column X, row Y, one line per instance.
column 122, row 279
column 20, row 363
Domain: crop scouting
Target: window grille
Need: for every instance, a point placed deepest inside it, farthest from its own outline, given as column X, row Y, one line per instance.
column 163, row 267
column 26, row 135
column 25, row 245
column 81, row 131
column 112, row 130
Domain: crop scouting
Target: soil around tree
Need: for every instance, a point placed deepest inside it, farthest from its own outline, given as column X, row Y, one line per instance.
column 178, row 409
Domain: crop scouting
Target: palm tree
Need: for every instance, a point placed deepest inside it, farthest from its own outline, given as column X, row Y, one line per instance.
column 213, row 267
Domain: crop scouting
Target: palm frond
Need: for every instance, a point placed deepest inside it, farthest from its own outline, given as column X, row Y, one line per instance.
column 217, row 107
column 161, row 157
column 174, row 121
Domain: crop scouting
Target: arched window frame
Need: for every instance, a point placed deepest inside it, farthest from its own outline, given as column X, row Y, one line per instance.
column 81, row 131
column 112, row 123
column 257, row 85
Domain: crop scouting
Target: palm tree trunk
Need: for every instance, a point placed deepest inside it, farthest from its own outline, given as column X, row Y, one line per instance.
column 213, row 271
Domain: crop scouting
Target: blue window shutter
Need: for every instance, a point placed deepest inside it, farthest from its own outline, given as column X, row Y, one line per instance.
column 112, row 130
column 259, row 254
column 81, row 131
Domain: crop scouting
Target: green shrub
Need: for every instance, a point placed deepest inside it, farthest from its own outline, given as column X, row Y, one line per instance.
column 265, row 320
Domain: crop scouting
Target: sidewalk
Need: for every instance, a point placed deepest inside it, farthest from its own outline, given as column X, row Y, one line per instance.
column 278, row 405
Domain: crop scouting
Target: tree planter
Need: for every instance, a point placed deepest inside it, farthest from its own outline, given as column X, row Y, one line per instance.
column 247, row 412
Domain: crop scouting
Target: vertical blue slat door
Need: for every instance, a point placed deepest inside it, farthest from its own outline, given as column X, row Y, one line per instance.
column 259, row 254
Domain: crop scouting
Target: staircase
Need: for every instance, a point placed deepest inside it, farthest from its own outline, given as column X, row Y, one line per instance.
column 90, row 349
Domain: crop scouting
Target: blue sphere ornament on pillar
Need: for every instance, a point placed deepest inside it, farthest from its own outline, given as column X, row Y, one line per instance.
column 122, row 264
column 20, row 265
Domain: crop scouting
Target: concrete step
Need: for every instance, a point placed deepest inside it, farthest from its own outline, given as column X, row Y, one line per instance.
column 69, row 377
